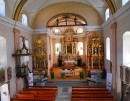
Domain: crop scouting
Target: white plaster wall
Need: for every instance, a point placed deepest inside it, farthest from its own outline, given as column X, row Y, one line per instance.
column 107, row 33
column 7, row 33
column 122, row 27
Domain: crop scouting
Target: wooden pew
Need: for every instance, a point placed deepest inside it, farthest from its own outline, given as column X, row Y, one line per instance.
column 88, row 87
column 92, row 99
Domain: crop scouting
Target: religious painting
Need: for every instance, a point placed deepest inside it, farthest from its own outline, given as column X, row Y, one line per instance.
column 9, row 73
column 121, row 72
column 95, row 63
column 2, row 75
column 127, row 75
column 69, row 49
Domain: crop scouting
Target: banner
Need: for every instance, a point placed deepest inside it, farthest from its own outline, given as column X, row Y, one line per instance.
column 30, row 79
column 109, row 81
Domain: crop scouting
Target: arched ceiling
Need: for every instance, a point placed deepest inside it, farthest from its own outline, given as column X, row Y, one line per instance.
column 32, row 7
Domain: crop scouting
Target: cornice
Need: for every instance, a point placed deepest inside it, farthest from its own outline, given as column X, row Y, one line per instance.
column 40, row 31
column 7, row 21
column 20, row 26
column 121, row 13
column 93, row 28
column 14, row 24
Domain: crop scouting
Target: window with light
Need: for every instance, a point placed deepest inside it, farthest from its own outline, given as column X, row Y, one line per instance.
column 79, row 30
column 107, row 14
column 108, row 48
column 124, row 2
column 126, row 48
column 2, row 7
column 24, row 20
column 57, row 48
column 80, row 48
column 57, row 31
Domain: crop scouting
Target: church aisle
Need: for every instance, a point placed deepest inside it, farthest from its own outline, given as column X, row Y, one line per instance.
column 64, row 93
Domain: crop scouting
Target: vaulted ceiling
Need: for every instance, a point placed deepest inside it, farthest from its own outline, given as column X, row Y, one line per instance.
column 33, row 7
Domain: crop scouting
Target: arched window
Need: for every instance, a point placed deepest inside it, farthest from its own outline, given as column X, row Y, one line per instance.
column 108, row 48
column 24, row 20
column 80, row 48
column 124, row 2
column 57, row 48
column 2, row 7
column 3, row 52
column 126, row 48
column 107, row 14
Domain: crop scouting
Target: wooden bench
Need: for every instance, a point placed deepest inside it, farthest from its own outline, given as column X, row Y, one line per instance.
column 92, row 99
column 37, row 94
column 90, row 93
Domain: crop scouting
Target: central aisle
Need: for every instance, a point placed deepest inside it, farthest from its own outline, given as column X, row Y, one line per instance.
column 64, row 94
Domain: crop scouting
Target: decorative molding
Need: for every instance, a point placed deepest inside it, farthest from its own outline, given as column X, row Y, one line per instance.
column 125, row 10
column 14, row 24
column 7, row 21
column 93, row 28
column 40, row 31
column 111, row 6
column 18, row 9
column 20, row 26
column 46, row 30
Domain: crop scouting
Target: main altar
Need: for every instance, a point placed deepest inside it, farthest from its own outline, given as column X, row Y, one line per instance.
column 69, row 50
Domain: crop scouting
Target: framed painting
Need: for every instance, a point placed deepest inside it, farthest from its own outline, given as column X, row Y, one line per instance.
column 9, row 73
column 127, row 75
column 2, row 75
column 121, row 72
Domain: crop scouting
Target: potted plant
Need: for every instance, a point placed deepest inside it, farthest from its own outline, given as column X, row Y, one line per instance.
column 52, row 72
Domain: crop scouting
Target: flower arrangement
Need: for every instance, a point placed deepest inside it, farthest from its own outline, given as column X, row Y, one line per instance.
column 52, row 69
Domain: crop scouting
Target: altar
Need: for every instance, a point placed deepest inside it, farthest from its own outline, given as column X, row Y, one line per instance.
column 70, row 62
